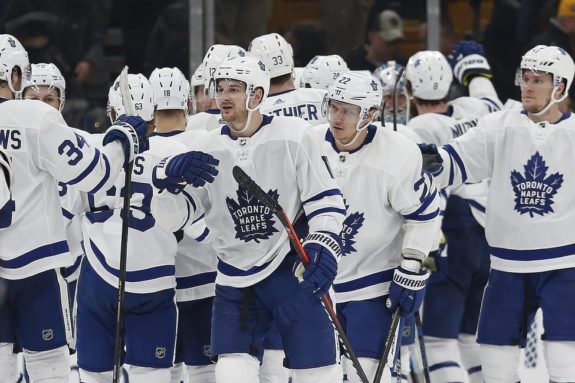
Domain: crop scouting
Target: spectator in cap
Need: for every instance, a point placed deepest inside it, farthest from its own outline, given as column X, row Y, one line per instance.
column 384, row 35
column 560, row 32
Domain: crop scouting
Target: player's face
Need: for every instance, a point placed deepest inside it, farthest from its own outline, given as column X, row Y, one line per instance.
column 201, row 100
column 43, row 93
column 231, row 100
column 343, row 119
column 536, row 88
column 401, row 102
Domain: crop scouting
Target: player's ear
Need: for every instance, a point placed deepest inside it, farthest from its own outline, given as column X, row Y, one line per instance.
column 257, row 97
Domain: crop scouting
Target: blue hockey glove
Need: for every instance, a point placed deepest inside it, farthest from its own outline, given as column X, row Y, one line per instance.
column 132, row 132
column 468, row 60
column 407, row 290
column 432, row 161
column 194, row 168
column 324, row 251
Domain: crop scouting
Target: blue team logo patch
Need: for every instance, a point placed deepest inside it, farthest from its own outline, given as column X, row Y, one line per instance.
column 534, row 192
column 351, row 226
column 253, row 221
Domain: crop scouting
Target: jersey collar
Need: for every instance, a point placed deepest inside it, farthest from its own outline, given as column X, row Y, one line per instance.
column 213, row 111
column 448, row 112
column 282, row 92
column 226, row 130
column 371, row 129
column 166, row 134
column 564, row 116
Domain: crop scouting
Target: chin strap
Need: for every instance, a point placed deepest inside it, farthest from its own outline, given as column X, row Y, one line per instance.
column 358, row 131
column 552, row 101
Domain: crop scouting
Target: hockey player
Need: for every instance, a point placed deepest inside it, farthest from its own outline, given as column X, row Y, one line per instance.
column 196, row 259
column 210, row 119
column 284, row 99
column 255, row 283
column 44, row 150
column 321, row 71
column 376, row 269
column 458, row 283
column 387, row 75
column 150, row 279
column 200, row 102
column 526, row 154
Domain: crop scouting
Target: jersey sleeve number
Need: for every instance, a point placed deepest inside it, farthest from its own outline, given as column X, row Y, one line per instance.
column 72, row 150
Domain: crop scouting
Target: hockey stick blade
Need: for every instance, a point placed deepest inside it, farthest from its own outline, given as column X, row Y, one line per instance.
column 251, row 186
column 125, row 92
column 389, row 342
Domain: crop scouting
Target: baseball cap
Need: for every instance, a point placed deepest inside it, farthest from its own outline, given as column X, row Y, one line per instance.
column 390, row 25
column 566, row 8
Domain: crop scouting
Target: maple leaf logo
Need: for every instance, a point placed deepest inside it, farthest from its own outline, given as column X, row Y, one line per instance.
column 351, row 226
column 534, row 191
column 253, row 221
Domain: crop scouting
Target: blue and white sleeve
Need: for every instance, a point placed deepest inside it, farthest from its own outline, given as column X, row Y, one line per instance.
column 70, row 159
column 413, row 195
column 468, row 158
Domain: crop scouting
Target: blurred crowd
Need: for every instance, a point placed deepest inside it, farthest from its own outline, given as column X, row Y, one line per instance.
column 76, row 35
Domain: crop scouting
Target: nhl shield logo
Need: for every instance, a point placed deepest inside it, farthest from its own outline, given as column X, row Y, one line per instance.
column 535, row 190
column 48, row 334
column 207, row 350
column 160, row 352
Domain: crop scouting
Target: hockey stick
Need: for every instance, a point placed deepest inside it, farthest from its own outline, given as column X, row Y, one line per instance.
column 125, row 214
column 246, row 182
column 419, row 329
column 389, row 344
column 395, row 98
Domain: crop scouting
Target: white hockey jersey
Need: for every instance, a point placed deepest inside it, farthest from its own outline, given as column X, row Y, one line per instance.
column 530, row 206
column 151, row 251
column 300, row 102
column 282, row 157
column 211, row 119
column 196, row 263
column 44, row 151
column 390, row 206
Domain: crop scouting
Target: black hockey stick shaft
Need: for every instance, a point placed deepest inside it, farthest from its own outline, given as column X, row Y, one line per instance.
column 250, row 185
column 419, row 329
column 389, row 341
column 396, row 98
column 125, row 214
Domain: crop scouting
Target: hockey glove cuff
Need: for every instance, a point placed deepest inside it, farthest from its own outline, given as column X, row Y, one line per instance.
column 406, row 291
column 132, row 133
column 324, row 251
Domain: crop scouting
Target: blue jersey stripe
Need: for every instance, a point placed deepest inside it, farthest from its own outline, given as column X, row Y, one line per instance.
column 360, row 283
column 196, row 280
column 88, row 169
column 325, row 210
column 422, row 217
column 105, row 178
column 190, row 199
column 453, row 154
column 426, row 202
column 134, row 276
column 493, row 105
column 327, row 193
column 476, row 205
column 36, row 254
column 67, row 214
column 232, row 271
column 438, row 366
column 533, row 254
column 204, row 234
